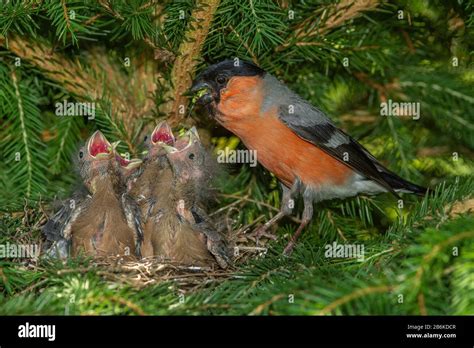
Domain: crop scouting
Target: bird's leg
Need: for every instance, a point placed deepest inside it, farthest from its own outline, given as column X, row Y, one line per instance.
column 306, row 218
column 287, row 205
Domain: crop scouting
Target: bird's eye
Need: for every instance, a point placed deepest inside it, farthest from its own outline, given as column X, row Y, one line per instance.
column 191, row 156
column 81, row 154
column 145, row 139
column 221, row 79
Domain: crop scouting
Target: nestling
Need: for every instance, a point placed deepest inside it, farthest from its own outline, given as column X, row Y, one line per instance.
column 105, row 222
column 193, row 171
column 167, row 234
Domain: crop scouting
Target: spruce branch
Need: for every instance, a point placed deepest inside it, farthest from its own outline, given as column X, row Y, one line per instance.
column 24, row 134
column 331, row 17
column 23, row 168
column 160, row 53
column 355, row 295
column 186, row 60
column 55, row 66
column 102, row 79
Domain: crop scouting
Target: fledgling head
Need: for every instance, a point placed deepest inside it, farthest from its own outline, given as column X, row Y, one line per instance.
column 190, row 161
column 213, row 83
column 160, row 137
column 95, row 160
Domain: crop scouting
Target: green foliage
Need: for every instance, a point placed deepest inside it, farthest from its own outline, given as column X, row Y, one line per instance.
column 17, row 17
column 425, row 56
column 24, row 157
column 136, row 19
column 425, row 253
column 68, row 18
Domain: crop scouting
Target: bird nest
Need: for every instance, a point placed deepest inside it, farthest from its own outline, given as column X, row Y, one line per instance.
column 150, row 271
column 147, row 271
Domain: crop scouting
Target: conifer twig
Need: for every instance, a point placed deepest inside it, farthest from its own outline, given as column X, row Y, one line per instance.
column 353, row 295
column 88, row 84
column 186, row 61
column 332, row 17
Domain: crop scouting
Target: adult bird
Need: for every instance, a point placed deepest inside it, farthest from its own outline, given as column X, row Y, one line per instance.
column 293, row 139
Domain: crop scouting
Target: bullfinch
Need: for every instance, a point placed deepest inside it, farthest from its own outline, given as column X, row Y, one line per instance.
column 152, row 185
column 193, row 171
column 167, row 234
column 104, row 221
column 293, row 139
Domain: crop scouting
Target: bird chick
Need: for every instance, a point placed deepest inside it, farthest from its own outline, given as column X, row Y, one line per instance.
column 103, row 224
column 193, row 170
column 158, row 189
column 154, row 176
column 129, row 169
column 152, row 185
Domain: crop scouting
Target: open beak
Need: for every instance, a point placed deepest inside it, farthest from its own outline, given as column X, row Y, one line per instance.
column 193, row 134
column 128, row 164
column 115, row 144
column 162, row 134
column 169, row 149
column 202, row 93
column 98, row 146
column 184, row 141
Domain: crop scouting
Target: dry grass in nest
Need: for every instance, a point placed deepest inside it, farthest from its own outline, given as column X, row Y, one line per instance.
column 147, row 271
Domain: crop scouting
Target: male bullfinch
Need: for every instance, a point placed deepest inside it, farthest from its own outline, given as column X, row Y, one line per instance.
column 104, row 221
column 293, row 139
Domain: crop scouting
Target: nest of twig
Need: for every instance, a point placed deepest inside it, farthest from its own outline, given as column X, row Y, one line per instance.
column 150, row 271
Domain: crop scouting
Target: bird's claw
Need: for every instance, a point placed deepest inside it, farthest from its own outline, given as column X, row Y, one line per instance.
column 289, row 248
column 262, row 232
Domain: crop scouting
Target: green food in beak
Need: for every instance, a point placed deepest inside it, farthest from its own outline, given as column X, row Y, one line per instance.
column 199, row 93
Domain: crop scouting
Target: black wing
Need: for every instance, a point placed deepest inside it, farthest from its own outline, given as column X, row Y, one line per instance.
column 313, row 126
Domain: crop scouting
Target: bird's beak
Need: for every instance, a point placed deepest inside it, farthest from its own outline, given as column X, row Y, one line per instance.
column 184, row 142
column 193, row 134
column 115, row 144
column 133, row 163
column 98, row 146
column 128, row 164
column 202, row 93
column 162, row 134
column 169, row 149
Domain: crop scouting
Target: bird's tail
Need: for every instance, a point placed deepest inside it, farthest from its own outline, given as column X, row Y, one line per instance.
column 402, row 185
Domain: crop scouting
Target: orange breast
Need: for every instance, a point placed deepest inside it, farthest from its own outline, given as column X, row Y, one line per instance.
column 277, row 147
